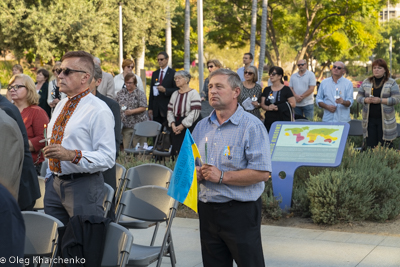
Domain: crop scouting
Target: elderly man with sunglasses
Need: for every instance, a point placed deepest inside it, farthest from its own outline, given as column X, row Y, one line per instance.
column 335, row 95
column 81, row 143
column 302, row 84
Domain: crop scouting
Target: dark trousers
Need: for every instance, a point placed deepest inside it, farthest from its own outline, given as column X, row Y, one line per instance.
column 375, row 134
column 231, row 231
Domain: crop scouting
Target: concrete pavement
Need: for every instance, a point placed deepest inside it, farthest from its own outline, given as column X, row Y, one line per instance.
column 286, row 246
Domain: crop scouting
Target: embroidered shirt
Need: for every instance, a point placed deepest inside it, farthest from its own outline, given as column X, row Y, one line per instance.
column 186, row 105
column 239, row 143
column 133, row 100
column 85, row 124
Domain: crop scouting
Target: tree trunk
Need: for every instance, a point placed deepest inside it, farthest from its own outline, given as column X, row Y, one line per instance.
column 263, row 38
column 168, row 36
column 253, row 28
column 140, row 59
column 186, row 63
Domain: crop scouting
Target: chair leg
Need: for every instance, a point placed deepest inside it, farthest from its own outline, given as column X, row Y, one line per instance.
column 153, row 239
column 172, row 251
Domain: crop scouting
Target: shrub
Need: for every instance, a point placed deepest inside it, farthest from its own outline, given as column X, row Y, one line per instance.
column 365, row 186
column 271, row 206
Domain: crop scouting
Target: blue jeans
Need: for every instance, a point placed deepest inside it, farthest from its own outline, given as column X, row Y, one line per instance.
column 306, row 111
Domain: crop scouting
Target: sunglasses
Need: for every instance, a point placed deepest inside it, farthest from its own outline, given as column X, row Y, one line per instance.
column 129, row 67
column 273, row 74
column 160, row 59
column 300, row 65
column 67, row 71
column 337, row 67
column 15, row 87
column 210, row 67
column 249, row 73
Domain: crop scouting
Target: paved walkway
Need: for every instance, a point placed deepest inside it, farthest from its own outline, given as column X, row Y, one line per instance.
column 286, row 246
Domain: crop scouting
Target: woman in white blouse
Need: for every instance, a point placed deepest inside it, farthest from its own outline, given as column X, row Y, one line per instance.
column 183, row 110
column 119, row 81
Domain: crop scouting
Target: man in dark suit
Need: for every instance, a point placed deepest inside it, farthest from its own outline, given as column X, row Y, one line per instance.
column 160, row 94
column 29, row 186
column 110, row 174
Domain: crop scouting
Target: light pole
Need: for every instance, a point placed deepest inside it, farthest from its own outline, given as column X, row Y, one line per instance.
column 200, row 41
column 120, row 38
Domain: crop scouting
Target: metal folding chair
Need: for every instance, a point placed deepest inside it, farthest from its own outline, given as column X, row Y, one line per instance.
column 117, row 246
column 39, row 204
column 108, row 198
column 143, row 175
column 150, row 203
column 144, row 129
column 41, row 234
column 120, row 176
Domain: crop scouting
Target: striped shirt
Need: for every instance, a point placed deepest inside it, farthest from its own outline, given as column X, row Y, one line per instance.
column 239, row 143
column 186, row 105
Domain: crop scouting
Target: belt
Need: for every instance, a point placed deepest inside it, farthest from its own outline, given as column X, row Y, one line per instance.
column 73, row 176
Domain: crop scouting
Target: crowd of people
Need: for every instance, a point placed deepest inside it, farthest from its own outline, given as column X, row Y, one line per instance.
column 79, row 117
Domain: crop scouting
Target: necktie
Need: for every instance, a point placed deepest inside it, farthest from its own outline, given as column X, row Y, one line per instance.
column 161, row 77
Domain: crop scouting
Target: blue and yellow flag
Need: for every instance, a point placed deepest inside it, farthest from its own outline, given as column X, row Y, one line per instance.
column 183, row 185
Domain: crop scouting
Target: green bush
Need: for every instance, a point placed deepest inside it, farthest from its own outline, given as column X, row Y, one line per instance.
column 271, row 206
column 365, row 186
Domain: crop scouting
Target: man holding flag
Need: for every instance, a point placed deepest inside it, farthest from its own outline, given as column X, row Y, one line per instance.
column 234, row 146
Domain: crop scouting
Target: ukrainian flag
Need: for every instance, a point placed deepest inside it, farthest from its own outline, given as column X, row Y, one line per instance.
column 183, row 185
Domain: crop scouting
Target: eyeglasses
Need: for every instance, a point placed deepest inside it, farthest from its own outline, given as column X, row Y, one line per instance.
column 67, row 71
column 273, row 74
column 300, row 65
column 15, row 87
column 177, row 78
column 160, row 59
column 210, row 67
column 337, row 67
column 129, row 83
column 129, row 67
column 249, row 73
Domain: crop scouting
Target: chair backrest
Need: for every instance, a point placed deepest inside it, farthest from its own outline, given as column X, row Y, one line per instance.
column 108, row 198
column 117, row 247
column 39, row 205
column 148, row 174
column 41, row 234
column 147, row 128
column 355, row 128
column 120, row 173
column 43, row 169
column 148, row 203
column 398, row 130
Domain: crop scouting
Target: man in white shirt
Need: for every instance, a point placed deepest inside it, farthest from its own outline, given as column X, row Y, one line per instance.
column 106, row 86
column 247, row 59
column 302, row 84
column 81, row 143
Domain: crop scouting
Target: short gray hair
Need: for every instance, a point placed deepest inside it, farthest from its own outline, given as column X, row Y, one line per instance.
column 255, row 75
column 97, row 61
column 182, row 73
column 233, row 77
column 98, row 73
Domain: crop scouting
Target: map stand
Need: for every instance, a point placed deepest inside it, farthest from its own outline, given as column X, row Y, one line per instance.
column 296, row 144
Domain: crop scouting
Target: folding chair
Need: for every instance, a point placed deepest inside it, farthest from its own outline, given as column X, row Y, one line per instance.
column 120, row 176
column 356, row 130
column 150, row 203
column 39, row 204
column 108, row 198
column 144, row 129
column 146, row 174
column 117, row 246
column 41, row 234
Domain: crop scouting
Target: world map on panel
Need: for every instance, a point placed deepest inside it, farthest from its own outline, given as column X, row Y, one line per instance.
column 307, row 136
